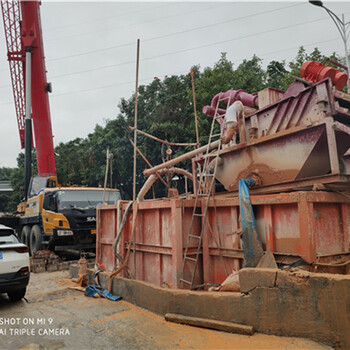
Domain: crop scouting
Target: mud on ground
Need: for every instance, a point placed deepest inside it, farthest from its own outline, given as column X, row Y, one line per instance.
column 94, row 323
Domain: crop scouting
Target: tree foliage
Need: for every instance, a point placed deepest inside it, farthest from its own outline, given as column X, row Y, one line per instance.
column 165, row 110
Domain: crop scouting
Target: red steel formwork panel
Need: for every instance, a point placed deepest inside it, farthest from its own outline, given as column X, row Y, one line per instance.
column 309, row 225
column 106, row 231
column 160, row 238
column 312, row 225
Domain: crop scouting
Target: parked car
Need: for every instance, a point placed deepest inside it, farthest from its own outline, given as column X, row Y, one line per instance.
column 14, row 264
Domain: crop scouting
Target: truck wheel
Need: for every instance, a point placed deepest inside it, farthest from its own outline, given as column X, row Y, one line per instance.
column 25, row 235
column 17, row 295
column 35, row 239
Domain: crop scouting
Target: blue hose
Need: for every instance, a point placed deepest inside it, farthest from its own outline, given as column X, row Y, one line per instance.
column 90, row 291
column 252, row 247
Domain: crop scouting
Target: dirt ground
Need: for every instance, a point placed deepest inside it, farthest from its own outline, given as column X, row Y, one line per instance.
column 57, row 317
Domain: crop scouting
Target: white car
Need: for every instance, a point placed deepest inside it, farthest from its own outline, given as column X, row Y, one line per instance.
column 14, row 264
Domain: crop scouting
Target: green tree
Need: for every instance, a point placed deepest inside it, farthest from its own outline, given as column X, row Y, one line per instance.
column 303, row 56
column 5, row 173
column 72, row 162
column 165, row 110
column 250, row 76
column 277, row 75
column 6, row 199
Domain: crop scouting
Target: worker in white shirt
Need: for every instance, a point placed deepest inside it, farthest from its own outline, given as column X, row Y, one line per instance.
column 233, row 114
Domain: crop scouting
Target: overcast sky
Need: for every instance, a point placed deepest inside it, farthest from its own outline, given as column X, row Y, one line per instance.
column 90, row 50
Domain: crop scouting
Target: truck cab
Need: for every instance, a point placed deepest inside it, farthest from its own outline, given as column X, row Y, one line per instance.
column 63, row 218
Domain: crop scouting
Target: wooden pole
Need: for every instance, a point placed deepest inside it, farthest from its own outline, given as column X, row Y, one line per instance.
column 195, row 108
column 111, row 170
column 106, row 175
column 146, row 160
column 160, row 140
column 135, row 142
column 188, row 155
column 135, row 118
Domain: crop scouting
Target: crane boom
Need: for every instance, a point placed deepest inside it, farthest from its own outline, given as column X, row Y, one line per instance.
column 23, row 32
column 11, row 18
column 52, row 217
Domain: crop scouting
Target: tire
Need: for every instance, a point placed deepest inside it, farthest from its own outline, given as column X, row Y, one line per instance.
column 25, row 235
column 17, row 295
column 35, row 239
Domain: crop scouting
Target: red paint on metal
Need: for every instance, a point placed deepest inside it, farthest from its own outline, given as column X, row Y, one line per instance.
column 306, row 225
column 340, row 80
column 250, row 100
column 11, row 18
column 315, row 71
column 159, row 239
column 295, row 138
column 23, row 29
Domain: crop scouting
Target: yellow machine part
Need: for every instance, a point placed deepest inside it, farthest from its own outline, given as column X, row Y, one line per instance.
column 53, row 220
column 34, row 205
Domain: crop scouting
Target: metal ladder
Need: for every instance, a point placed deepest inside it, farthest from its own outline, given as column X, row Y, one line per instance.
column 204, row 191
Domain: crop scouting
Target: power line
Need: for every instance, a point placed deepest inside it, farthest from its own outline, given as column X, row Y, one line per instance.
column 292, row 48
column 105, row 18
column 184, row 72
column 194, row 48
column 112, row 47
column 132, row 24
column 188, row 49
column 176, row 33
column 174, row 73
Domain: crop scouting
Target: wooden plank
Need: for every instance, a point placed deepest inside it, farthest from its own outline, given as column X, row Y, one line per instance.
column 212, row 324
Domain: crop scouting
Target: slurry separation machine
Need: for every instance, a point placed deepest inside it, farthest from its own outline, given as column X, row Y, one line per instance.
column 293, row 145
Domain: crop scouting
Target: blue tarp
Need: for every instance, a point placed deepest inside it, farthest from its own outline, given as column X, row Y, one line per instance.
column 252, row 247
column 90, row 291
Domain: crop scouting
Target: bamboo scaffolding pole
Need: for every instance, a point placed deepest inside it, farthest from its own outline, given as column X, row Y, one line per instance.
column 181, row 158
column 160, row 140
column 135, row 117
column 135, row 142
column 146, row 160
column 195, row 107
column 111, row 170
column 106, row 175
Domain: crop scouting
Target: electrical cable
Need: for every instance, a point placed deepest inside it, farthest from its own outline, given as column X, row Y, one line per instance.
column 170, row 34
column 146, row 79
column 104, row 18
column 174, row 73
column 189, row 49
column 130, row 24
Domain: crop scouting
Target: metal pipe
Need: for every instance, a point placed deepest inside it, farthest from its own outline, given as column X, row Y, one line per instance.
column 150, row 181
column 181, row 158
column 230, row 96
column 28, row 123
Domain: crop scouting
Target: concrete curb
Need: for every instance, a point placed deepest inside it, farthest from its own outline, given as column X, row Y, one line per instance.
column 296, row 304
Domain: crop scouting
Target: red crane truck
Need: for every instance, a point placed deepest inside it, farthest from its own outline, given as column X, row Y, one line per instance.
column 59, row 218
